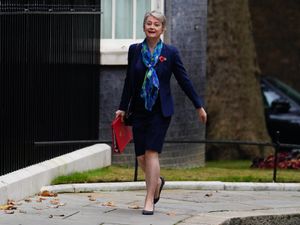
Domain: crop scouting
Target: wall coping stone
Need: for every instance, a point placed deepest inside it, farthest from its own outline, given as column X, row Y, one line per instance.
column 28, row 181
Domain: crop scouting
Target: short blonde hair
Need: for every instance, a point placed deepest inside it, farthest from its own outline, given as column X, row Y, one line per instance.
column 158, row 15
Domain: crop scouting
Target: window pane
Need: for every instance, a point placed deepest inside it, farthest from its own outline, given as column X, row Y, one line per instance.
column 143, row 6
column 106, row 19
column 124, row 19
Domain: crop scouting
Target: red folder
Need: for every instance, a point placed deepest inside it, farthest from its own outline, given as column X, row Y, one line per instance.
column 121, row 135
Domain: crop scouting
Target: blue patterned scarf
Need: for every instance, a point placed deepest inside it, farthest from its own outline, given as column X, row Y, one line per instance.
column 150, row 85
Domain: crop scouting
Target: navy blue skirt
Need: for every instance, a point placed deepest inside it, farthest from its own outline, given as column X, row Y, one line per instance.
column 149, row 131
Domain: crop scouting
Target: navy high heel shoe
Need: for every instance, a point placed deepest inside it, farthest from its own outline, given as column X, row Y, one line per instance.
column 161, row 187
column 147, row 212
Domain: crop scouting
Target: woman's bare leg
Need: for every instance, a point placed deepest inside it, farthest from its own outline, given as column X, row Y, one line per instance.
column 142, row 164
column 152, row 172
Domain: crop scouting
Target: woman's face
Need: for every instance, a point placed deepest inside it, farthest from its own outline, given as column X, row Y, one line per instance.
column 153, row 28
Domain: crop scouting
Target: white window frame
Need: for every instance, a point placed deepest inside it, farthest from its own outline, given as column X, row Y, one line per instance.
column 114, row 51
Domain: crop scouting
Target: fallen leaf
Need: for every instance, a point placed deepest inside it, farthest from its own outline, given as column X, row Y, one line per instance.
column 208, row 195
column 110, row 204
column 9, row 211
column 171, row 213
column 40, row 199
column 47, row 194
column 7, row 207
column 11, row 202
column 55, row 201
column 4, row 207
column 27, row 200
column 134, row 207
column 37, row 208
column 91, row 198
column 58, row 205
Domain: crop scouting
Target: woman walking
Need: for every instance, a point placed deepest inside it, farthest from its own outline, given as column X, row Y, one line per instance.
column 147, row 91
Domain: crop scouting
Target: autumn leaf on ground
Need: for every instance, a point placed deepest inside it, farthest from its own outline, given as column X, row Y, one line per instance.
column 208, row 195
column 38, row 208
column 171, row 213
column 7, row 207
column 40, row 199
column 134, row 207
column 27, row 200
column 47, row 194
column 91, row 198
column 11, row 202
column 9, row 211
column 55, row 201
column 109, row 204
column 56, row 206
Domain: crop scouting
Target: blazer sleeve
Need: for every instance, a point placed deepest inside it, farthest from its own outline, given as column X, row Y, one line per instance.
column 127, row 88
column 183, row 80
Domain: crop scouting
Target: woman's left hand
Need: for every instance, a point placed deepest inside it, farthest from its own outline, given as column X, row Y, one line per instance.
column 120, row 113
column 202, row 115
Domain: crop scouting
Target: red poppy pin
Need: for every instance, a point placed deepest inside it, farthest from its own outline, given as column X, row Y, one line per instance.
column 162, row 58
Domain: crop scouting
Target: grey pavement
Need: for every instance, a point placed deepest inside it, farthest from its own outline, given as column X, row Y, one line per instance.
column 176, row 206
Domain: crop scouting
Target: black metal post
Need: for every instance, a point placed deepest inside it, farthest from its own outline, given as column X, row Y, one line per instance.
column 136, row 170
column 277, row 146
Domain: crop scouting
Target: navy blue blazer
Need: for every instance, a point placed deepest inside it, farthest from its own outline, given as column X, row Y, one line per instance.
column 170, row 64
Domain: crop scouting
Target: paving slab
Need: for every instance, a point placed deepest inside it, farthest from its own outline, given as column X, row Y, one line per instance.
column 176, row 207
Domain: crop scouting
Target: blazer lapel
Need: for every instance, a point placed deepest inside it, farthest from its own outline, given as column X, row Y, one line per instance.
column 160, row 64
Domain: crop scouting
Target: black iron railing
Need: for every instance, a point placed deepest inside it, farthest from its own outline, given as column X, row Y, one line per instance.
column 49, row 77
column 276, row 145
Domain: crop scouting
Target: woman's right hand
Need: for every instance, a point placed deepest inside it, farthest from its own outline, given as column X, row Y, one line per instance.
column 120, row 113
column 202, row 115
